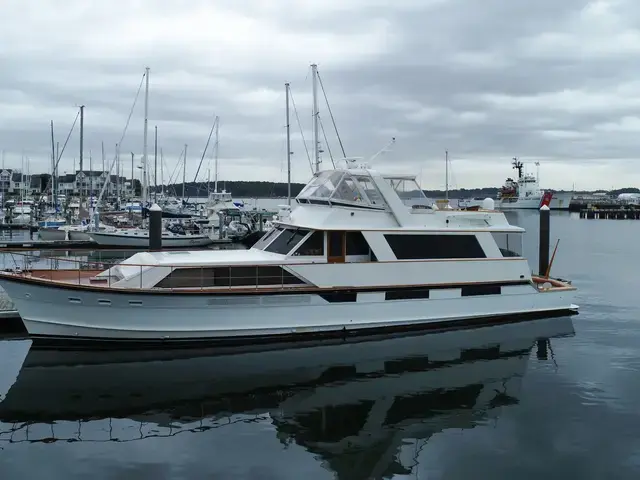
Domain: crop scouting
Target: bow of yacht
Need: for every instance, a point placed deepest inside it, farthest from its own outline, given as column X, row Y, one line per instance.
column 359, row 253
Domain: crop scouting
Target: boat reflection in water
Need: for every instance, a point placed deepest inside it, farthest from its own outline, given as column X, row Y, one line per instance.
column 353, row 405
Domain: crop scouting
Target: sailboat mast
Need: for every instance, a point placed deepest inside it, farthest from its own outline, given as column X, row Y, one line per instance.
column 90, row 201
column 215, row 163
column 81, row 148
column 286, row 89
column 117, row 175
column 162, row 171
column 133, row 176
column 316, row 140
column 55, row 198
column 155, row 167
column 144, row 146
column 184, row 173
column 53, row 165
column 446, row 175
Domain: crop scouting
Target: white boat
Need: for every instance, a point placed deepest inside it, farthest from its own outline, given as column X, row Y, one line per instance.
column 525, row 193
column 400, row 389
column 351, row 258
column 50, row 234
column 76, row 233
column 139, row 238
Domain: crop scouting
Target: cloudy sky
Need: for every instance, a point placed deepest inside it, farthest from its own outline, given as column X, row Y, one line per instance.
column 549, row 81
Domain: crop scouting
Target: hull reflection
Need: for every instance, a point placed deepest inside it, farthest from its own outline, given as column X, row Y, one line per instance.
column 353, row 405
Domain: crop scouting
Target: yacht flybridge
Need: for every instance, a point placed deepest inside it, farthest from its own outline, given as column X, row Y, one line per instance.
column 359, row 253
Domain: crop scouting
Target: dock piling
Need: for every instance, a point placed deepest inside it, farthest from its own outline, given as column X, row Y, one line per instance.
column 155, row 227
column 545, row 230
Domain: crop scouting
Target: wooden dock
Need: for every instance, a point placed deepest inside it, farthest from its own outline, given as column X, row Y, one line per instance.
column 611, row 213
column 34, row 245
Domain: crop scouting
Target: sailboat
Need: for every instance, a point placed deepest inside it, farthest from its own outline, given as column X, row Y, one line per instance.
column 139, row 237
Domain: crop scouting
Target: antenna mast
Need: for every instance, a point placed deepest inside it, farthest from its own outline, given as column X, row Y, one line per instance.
column 446, row 175
column 286, row 89
column 316, row 140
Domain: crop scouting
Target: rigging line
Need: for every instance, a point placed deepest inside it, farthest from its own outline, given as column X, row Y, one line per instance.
column 215, row 121
column 55, row 169
column 326, row 142
column 331, row 114
column 135, row 100
column 178, row 163
column 124, row 132
column 67, row 140
column 304, row 142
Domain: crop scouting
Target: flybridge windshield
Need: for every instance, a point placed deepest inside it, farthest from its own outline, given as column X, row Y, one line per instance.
column 407, row 189
column 335, row 186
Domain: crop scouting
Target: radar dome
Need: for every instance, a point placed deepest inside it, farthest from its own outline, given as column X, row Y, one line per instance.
column 488, row 204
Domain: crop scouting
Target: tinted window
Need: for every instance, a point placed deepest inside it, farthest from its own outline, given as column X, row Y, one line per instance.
column 286, row 241
column 335, row 244
column 356, row 244
column 418, row 247
column 314, row 245
column 510, row 244
column 228, row 277
column 270, row 235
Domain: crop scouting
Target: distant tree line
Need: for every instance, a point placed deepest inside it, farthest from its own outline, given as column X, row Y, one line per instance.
column 239, row 189
column 254, row 189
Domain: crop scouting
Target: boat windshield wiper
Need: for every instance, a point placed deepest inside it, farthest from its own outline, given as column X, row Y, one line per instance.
column 293, row 235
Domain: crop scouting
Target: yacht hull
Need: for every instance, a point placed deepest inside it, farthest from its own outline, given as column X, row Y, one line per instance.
column 78, row 236
column 142, row 241
column 100, row 314
column 52, row 234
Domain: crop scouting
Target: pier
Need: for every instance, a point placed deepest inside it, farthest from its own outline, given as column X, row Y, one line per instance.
column 611, row 213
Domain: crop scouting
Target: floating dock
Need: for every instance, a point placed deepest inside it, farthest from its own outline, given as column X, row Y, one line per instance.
column 14, row 246
column 611, row 213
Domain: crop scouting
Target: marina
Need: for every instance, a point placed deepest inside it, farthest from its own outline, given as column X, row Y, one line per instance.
column 219, row 263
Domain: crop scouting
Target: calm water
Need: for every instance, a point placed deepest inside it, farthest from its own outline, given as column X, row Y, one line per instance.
column 547, row 399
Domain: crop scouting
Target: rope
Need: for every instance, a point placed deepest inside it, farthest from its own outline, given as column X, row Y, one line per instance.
column 331, row 114
column 304, row 142
column 326, row 142
column 124, row 132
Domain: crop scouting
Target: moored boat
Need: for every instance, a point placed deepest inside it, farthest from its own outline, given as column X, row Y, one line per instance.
column 351, row 257
column 139, row 238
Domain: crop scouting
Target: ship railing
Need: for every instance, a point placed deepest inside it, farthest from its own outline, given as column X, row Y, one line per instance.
column 81, row 271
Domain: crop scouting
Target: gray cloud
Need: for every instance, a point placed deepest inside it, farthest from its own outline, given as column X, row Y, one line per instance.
column 548, row 81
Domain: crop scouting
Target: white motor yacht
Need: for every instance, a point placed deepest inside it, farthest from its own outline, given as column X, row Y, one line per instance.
column 350, row 258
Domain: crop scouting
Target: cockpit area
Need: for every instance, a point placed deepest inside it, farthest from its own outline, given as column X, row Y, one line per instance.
column 358, row 188
column 340, row 187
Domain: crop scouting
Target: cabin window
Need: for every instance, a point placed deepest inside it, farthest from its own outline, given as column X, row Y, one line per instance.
column 268, row 237
column 430, row 247
column 476, row 290
column 240, row 276
column 347, row 191
column 510, row 244
column 286, row 241
column 312, row 246
column 356, row 244
column 370, row 189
